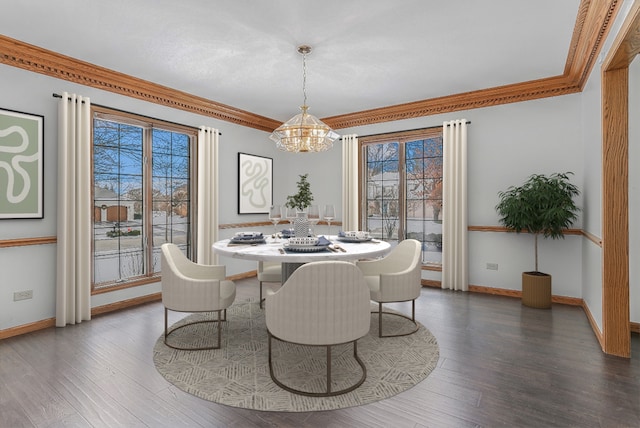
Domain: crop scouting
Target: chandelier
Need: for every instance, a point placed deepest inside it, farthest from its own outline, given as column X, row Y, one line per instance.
column 304, row 132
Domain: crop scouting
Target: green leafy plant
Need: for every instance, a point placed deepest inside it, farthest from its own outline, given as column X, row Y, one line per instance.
column 303, row 198
column 542, row 205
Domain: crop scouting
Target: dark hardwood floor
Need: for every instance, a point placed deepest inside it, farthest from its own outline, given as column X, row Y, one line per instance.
column 501, row 364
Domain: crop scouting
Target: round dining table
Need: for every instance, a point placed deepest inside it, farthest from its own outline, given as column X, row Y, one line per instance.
column 275, row 250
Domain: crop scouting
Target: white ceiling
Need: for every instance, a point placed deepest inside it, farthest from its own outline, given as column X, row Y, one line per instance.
column 366, row 53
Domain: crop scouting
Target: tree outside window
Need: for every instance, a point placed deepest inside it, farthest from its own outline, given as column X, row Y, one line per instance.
column 402, row 175
column 142, row 187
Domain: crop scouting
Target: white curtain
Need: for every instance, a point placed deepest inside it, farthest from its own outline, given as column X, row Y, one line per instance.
column 350, row 212
column 455, row 274
column 73, row 278
column 207, row 198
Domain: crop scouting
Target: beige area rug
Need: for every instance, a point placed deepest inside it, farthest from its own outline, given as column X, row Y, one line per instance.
column 238, row 374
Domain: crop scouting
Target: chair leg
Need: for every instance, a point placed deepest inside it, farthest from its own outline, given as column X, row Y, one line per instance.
column 412, row 319
column 220, row 327
column 260, row 294
column 379, row 319
column 221, row 317
column 329, row 392
column 165, row 324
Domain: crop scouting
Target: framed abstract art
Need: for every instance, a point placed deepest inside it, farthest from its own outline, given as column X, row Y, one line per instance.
column 255, row 184
column 21, row 165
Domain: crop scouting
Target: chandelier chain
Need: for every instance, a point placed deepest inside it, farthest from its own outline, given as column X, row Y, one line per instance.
column 304, row 77
column 304, row 132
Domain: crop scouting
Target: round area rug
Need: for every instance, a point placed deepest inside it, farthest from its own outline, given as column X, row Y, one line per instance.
column 238, row 374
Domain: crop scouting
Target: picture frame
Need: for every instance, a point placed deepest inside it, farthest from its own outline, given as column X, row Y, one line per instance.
column 21, row 165
column 255, row 184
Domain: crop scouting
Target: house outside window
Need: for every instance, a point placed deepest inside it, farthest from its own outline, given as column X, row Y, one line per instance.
column 142, row 193
column 402, row 185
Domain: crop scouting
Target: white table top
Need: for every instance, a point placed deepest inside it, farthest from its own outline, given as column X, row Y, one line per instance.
column 270, row 251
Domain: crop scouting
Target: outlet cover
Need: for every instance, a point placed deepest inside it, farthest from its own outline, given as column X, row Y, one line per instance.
column 22, row 295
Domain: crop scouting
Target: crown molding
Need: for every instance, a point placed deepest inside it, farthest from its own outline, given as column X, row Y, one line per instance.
column 548, row 87
column 33, row 58
column 593, row 22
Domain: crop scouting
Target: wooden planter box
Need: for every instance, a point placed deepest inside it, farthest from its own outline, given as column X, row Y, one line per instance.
column 536, row 290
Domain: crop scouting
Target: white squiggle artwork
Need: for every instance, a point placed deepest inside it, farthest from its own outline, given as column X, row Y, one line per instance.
column 255, row 184
column 13, row 195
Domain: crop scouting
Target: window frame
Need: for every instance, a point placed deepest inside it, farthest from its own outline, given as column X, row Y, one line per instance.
column 148, row 124
column 402, row 138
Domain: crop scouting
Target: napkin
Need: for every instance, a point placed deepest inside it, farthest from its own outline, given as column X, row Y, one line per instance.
column 287, row 233
column 323, row 241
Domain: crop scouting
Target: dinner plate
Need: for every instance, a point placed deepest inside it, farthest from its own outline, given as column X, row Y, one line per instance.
column 305, row 248
column 353, row 239
column 259, row 240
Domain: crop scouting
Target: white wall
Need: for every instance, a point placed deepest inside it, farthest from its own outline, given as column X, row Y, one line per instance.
column 592, row 196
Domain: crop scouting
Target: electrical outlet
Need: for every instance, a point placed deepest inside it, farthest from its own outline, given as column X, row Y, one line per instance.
column 22, row 295
column 492, row 266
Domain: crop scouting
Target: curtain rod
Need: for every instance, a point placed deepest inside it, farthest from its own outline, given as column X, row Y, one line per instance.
column 406, row 130
column 141, row 115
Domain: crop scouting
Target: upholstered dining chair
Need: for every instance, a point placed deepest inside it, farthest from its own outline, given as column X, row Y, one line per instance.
column 395, row 278
column 268, row 272
column 192, row 287
column 322, row 303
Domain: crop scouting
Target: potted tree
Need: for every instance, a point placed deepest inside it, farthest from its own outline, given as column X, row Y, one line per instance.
column 301, row 201
column 543, row 205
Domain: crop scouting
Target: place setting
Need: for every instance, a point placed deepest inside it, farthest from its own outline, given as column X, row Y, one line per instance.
column 247, row 238
column 309, row 244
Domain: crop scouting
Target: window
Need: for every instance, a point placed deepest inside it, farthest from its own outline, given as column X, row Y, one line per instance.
column 402, row 176
column 142, row 173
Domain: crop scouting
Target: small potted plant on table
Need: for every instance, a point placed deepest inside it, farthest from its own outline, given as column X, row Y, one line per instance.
column 301, row 201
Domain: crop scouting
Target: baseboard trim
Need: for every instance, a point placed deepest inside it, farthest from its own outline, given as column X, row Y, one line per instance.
column 27, row 328
column 594, row 325
column 495, row 291
column 116, row 306
column 563, row 300
column 244, row 275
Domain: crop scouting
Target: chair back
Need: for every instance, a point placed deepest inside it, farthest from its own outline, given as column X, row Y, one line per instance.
column 321, row 303
column 404, row 262
column 188, row 286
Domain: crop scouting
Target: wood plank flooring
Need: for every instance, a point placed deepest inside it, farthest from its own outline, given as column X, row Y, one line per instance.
column 501, row 364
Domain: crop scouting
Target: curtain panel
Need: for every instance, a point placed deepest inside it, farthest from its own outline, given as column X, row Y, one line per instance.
column 350, row 207
column 73, row 277
column 455, row 274
column 207, row 195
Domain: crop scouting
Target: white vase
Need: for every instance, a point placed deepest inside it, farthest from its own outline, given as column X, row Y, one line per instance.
column 301, row 224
